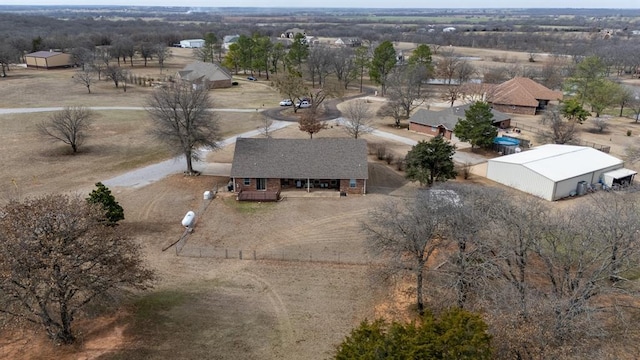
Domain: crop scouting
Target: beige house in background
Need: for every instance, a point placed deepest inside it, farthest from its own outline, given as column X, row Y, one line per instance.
column 209, row 75
column 521, row 96
column 48, row 60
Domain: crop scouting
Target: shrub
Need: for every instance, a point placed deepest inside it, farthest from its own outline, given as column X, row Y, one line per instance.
column 389, row 158
column 628, row 132
column 381, row 152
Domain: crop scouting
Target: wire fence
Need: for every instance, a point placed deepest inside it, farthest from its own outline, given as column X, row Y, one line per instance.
column 601, row 147
column 326, row 256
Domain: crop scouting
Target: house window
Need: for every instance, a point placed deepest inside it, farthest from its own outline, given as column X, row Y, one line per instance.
column 352, row 183
column 247, row 181
column 261, row 184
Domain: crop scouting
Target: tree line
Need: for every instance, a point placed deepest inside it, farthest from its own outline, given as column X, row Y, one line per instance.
column 549, row 282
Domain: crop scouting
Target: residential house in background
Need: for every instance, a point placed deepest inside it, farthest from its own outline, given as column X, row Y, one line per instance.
column 262, row 167
column 348, row 42
column 205, row 74
column 521, row 96
column 441, row 123
column 291, row 33
column 228, row 40
column 48, row 60
column 192, row 43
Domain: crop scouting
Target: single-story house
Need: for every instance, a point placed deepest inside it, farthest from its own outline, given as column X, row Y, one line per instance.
column 291, row 33
column 348, row 42
column 227, row 40
column 263, row 167
column 206, row 74
column 442, row 122
column 192, row 43
column 48, row 60
column 521, row 96
column 555, row 171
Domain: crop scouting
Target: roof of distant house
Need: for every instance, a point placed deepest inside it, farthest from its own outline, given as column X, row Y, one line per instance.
column 198, row 70
column 521, row 91
column 323, row 158
column 44, row 54
column 449, row 117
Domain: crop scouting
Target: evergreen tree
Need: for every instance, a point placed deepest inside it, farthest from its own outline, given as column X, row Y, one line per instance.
column 573, row 111
column 431, row 161
column 384, row 59
column 457, row 334
column 299, row 50
column 102, row 195
column 477, row 126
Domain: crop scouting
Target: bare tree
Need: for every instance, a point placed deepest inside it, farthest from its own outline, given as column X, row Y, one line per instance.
column 447, row 66
column 85, row 77
column 406, row 87
column 452, row 94
column 183, row 120
column 405, row 236
column 291, row 85
column 57, row 257
column 344, row 65
column 162, row 54
column 600, row 123
column 467, row 266
column 310, row 123
column 265, row 126
column 559, row 130
column 116, row 74
column 393, row 109
column 70, row 125
column 358, row 119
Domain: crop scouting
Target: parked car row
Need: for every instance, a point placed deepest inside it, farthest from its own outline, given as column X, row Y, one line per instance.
column 302, row 104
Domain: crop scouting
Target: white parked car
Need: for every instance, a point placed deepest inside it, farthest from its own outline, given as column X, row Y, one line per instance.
column 303, row 104
column 286, row 102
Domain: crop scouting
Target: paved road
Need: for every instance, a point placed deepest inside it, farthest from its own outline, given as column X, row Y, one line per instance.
column 152, row 173
column 49, row 109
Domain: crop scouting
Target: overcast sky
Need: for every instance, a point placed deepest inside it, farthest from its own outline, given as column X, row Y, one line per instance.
column 622, row 4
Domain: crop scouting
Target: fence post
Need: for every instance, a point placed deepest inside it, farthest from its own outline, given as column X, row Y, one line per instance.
column 254, row 255
column 240, row 254
column 226, row 253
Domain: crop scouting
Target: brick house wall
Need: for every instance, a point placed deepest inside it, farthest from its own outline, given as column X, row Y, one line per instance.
column 429, row 130
column 220, row 84
column 272, row 185
column 511, row 109
column 358, row 190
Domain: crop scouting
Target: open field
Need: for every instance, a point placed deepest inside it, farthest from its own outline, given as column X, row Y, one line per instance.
column 205, row 307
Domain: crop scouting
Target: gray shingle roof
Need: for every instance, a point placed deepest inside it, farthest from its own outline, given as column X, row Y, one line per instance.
column 44, row 54
column 323, row 158
column 198, row 70
column 449, row 117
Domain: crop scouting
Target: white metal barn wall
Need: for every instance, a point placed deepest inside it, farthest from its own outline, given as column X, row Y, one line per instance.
column 519, row 177
column 566, row 186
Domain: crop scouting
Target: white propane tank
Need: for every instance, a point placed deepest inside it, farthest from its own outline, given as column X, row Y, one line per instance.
column 187, row 221
column 207, row 195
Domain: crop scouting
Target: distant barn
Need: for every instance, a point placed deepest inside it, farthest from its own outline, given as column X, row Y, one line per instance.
column 48, row 60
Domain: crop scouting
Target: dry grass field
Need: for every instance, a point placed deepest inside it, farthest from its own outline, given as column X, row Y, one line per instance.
column 203, row 307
